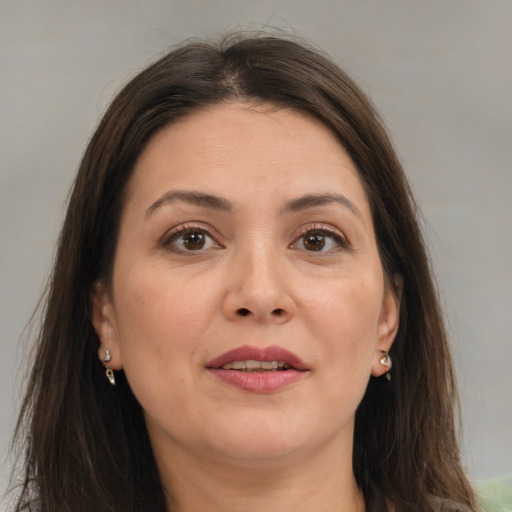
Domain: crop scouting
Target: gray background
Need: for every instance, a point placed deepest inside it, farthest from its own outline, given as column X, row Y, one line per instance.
column 439, row 71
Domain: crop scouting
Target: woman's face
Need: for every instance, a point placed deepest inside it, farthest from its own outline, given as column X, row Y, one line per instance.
column 248, row 306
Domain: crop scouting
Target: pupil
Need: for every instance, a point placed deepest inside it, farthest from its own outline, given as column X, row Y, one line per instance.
column 194, row 240
column 314, row 242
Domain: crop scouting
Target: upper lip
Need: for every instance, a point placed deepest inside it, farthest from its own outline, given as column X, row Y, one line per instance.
column 271, row 353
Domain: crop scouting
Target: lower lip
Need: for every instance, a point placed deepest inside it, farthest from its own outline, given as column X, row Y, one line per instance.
column 260, row 382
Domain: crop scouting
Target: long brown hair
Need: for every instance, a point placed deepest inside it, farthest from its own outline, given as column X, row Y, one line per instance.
column 86, row 443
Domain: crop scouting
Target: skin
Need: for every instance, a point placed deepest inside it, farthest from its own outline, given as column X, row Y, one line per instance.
column 170, row 309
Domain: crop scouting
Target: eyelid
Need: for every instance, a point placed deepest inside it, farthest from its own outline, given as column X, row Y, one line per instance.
column 327, row 229
column 174, row 232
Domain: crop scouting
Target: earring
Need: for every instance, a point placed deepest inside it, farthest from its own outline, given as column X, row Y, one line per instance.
column 110, row 376
column 385, row 360
column 109, row 372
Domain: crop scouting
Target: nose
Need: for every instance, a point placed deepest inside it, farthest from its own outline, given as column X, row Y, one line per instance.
column 258, row 288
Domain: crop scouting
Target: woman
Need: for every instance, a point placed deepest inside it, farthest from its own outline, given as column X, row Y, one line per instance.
column 239, row 265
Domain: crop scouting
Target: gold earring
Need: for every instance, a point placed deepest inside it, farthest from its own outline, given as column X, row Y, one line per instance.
column 110, row 376
column 385, row 360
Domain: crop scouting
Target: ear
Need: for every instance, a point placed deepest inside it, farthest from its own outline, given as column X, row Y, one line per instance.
column 388, row 323
column 104, row 322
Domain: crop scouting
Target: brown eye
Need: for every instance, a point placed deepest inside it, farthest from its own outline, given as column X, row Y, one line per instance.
column 189, row 240
column 319, row 240
column 193, row 240
column 314, row 241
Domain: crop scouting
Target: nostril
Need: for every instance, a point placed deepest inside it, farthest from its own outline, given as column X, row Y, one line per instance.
column 278, row 312
column 243, row 311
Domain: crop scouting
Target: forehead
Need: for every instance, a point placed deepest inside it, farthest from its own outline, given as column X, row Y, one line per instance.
column 239, row 149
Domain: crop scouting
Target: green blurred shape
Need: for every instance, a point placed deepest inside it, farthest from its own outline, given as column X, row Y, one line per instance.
column 495, row 495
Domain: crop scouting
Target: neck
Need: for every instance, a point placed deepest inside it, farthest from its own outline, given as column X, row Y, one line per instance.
column 324, row 482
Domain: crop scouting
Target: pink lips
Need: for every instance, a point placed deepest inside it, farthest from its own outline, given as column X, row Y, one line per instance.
column 258, row 382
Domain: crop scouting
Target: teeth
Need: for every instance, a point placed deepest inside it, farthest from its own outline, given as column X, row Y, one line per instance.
column 251, row 365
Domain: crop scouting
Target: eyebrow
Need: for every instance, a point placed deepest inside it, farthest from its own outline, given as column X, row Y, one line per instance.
column 191, row 197
column 219, row 203
column 313, row 200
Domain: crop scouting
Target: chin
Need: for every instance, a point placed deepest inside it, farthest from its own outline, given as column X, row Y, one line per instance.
column 259, row 442
column 258, row 453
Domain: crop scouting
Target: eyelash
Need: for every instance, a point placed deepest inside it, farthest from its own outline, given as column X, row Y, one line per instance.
column 323, row 231
column 173, row 236
column 170, row 239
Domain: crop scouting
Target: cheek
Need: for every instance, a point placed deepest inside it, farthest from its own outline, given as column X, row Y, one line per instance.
column 161, row 320
column 160, row 317
column 345, row 318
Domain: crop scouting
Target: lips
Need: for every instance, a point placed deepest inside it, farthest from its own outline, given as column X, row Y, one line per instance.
column 258, row 370
column 267, row 354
